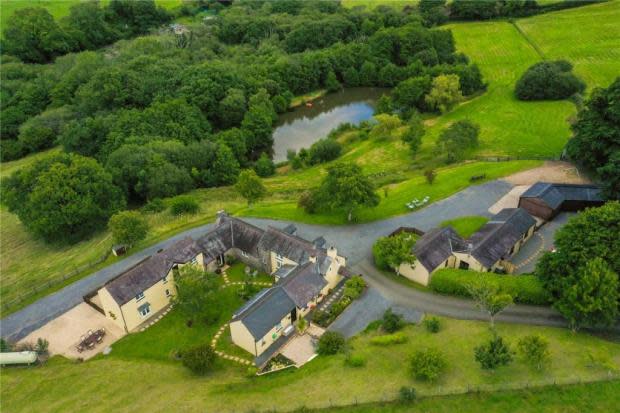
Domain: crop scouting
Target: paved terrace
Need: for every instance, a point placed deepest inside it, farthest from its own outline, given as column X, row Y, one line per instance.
column 353, row 241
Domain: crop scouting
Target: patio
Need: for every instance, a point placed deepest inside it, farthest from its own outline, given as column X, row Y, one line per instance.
column 301, row 348
column 64, row 332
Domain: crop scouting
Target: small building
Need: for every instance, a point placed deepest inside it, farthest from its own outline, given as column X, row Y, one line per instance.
column 546, row 200
column 489, row 249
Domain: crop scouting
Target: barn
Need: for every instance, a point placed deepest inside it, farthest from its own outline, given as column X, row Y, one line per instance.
column 546, row 200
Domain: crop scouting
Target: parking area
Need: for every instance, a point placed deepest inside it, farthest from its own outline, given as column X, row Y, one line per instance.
column 64, row 332
column 542, row 240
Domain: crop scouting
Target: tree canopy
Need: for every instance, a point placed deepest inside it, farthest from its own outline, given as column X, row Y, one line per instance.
column 548, row 81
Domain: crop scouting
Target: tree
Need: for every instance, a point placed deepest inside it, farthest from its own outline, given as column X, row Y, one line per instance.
column 535, row 351
column 430, row 175
column 331, row 82
column 348, row 189
column 199, row 359
column 87, row 26
column 596, row 134
column 456, row 139
column 414, row 133
column 354, row 287
column 489, row 300
column 445, row 93
column 198, row 296
column 409, row 94
column 264, row 166
column 63, row 198
column 391, row 252
column 250, row 186
column 591, row 234
column 184, row 204
column 428, row 364
column 324, row 150
column 32, row 35
column 128, row 227
column 386, row 124
column 493, row 354
column 591, row 299
column 549, row 80
column 232, row 108
column 330, row 343
column 225, row 167
column 257, row 123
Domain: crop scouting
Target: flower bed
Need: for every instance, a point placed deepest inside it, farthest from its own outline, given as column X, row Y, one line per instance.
column 277, row 363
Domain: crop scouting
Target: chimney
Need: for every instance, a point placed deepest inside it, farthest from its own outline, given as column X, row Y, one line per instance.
column 332, row 252
column 219, row 215
column 312, row 258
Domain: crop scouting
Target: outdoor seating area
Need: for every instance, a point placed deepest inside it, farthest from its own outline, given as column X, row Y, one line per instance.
column 416, row 203
column 90, row 340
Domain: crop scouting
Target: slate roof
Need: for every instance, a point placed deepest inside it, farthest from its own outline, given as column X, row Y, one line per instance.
column 290, row 246
column 436, row 246
column 264, row 311
column 555, row 194
column 495, row 239
column 303, row 284
column 283, row 271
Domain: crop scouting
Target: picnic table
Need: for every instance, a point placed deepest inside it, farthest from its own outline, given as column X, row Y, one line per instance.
column 90, row 339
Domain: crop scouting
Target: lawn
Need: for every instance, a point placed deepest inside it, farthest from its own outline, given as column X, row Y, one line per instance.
column 57, row 8
column 593, row 397
column 236, row 273
column 466, row 226
column 145, row 361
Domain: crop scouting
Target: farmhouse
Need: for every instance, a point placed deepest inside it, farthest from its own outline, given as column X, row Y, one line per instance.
column 136, row 295
column 546, row 200
column 486, row 250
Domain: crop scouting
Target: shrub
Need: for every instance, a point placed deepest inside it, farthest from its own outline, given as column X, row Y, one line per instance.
column 264, row 166
column 339, row 306
column 199, row 359
column 321, row 318
column 535, row 351
column 154, row 206
column 407, row 394
column 354, row 287
column 355, row 360
column 389, row 339
column 432, row 324
column 128, row 227
column 184, row 204
column 5, row 346
column 330, row 343
column 10, row 150
column 324, row 150
column 309, row 201
column 526, row 289
column 457, row 138
column 430, row 176
column 493, row 354
column 391, row 322
column 549, row 80
column 42, row 346
column 428, row 364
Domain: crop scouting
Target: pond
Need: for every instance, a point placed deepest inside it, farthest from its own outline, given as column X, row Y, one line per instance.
column 304, row 125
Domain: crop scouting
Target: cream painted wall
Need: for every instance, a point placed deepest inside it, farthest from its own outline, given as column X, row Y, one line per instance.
column 242, row 337
column 111, row 309
column 264, row 343
column 415, row 272
column 285, row 261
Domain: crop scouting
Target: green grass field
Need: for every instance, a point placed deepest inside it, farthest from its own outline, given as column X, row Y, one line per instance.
column 594, row 397
column 466, row 226
column 141, row 372
column 57, row 8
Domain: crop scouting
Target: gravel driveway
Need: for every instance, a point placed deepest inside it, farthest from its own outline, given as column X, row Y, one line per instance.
column 354, row 241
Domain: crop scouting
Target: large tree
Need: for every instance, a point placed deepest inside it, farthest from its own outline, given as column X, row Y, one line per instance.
column 128, row 227
column 390, row 252
column 63, row 198
column 250, row 186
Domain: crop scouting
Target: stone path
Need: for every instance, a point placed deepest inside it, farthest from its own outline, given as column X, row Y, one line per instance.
column 520, row 262
column 333, row 297
column 155, row 319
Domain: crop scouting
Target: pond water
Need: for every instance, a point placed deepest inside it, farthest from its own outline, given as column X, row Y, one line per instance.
column 304, row 125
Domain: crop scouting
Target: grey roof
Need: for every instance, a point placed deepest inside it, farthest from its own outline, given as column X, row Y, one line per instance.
column 555, row 194
column 319, row 242
column 283, row 271
column 436, row 246
column 215, row 243
column 290, row 229
column 264, row 311
column 303, row 284
column 290, row 246
column 244, row 236
column 495, row 239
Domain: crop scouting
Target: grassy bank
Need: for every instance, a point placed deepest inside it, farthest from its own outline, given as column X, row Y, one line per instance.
column 102, row 384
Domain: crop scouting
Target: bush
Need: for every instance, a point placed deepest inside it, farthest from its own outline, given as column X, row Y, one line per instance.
column 535, row 351
column 11, row 150
column 154, row 206
column 391, row 322
column 407, row 394
column 355, row 360
column 493, row 354
column 321, row 318
column 128, row 227
column 42, row 346
column 324, row 150
column 428, row 364
column 199, row 359
column 184, row 204
column 526, row 289
column 330, row 343
column 264, row 166
column 339, row 307
column 432, row 324
column 354, row 287
column 389, row 339
column 549, row 80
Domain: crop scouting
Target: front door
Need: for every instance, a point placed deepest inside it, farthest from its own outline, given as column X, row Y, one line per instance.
column 294, row 315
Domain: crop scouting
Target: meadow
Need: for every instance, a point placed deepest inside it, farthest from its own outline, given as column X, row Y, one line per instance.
column 146, row 360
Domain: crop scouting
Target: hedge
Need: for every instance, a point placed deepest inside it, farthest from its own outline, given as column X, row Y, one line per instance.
column 525, row 289
column 389, row 339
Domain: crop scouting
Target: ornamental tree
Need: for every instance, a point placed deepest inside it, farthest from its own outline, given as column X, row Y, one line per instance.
column 390, row 252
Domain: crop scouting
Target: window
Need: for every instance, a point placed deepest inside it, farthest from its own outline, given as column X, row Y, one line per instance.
column 278, row 326
column 165, row 279
column 144, row 310
column 167, row 293
column 244, row 254
column 140, row 296
column 279, row 260
column 194, row 261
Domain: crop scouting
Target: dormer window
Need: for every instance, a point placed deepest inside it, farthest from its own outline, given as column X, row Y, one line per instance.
column 140, row 296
